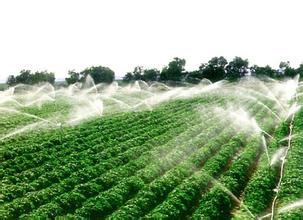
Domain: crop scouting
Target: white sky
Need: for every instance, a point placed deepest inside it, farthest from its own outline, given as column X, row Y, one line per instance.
column 60, row 35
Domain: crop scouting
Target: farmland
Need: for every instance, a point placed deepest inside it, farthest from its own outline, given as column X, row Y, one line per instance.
column 3, row 86
column 207, row 151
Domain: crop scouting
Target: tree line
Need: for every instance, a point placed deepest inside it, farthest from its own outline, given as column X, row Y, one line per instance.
column 217, row 68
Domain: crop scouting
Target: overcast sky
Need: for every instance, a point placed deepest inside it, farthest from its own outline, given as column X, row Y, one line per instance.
column 61, row 35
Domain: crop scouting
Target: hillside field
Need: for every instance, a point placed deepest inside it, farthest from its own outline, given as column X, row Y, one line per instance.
column 208, row 151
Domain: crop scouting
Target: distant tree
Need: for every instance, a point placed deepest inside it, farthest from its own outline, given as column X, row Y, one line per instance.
column 138, row 73
column 43, row 76
column 299, row 70
column 290, row 72
column 282, row 67
column 27, row 77
column 174, row 71
column 214, row 70
column 11, row 80
column 24, row 77
column 151, row 74
column 193, row 77
column 286, row 70
column 73, row 77
column 128, row 77
column 266, row 71
column 237, row 68
column 99, row 74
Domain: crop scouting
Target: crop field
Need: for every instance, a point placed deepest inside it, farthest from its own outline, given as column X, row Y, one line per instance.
column 3, row 86
column 207, row 151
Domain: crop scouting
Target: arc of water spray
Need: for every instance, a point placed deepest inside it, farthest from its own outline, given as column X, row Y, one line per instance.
column 294, row 205
column 21, row 130
column 228, row 192
column 271, row 97
column 263, row 105
column 29, row 115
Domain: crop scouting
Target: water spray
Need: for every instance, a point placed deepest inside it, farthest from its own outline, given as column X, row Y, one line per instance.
column 291, row 125
column 229, row 193
column 28, row 115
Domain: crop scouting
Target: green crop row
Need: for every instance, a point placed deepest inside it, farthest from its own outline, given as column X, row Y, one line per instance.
column 259, row 192
column 100, row 166
column 109, row 179
column 292, row 182
column 220, row 200
column 182, row 198
column 155, row 192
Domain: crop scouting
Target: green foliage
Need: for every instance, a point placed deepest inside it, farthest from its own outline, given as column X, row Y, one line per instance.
column 3, row 86
column 142, row 74
column 259, row 192
column 299, row 70
column 27, row 77
column 292, row 182
column 99, row 74
column 265, row 71
column 73, row 77
column 237, row 68
column 128, row 77
column 214, row 70
column 151, row 75
column 174, row 71
column 163, row 163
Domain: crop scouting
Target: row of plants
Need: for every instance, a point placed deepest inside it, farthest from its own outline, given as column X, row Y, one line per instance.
column 72, row 149
column 172, row 125
column 67, row 181
column 183, row 197
column 104, row 130
column 14, row 192
column 207, row 134
column 219, row 201
column 111, row 133
column 259, row 192
column 74, row 143
column 110, row 161
column 11, row 119
column 88, row 131
column 291, row 190
column 155, row 192
column 104, row 182
column 101, row 130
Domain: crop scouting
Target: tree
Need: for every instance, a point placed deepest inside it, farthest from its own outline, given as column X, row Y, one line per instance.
column 193, row 77
column 286, row 70
column 27, row 77
column 128, row 77
column 174, row 71
column 24, row 77
column 237, row 68
column 74, row 77
column 11, row 80
column 290, row 72
column 151, row 74
column 266, row 71
column 299, row 70
column 138, row 73
column 214, row 70
column 99, row 74
column 43, row 76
